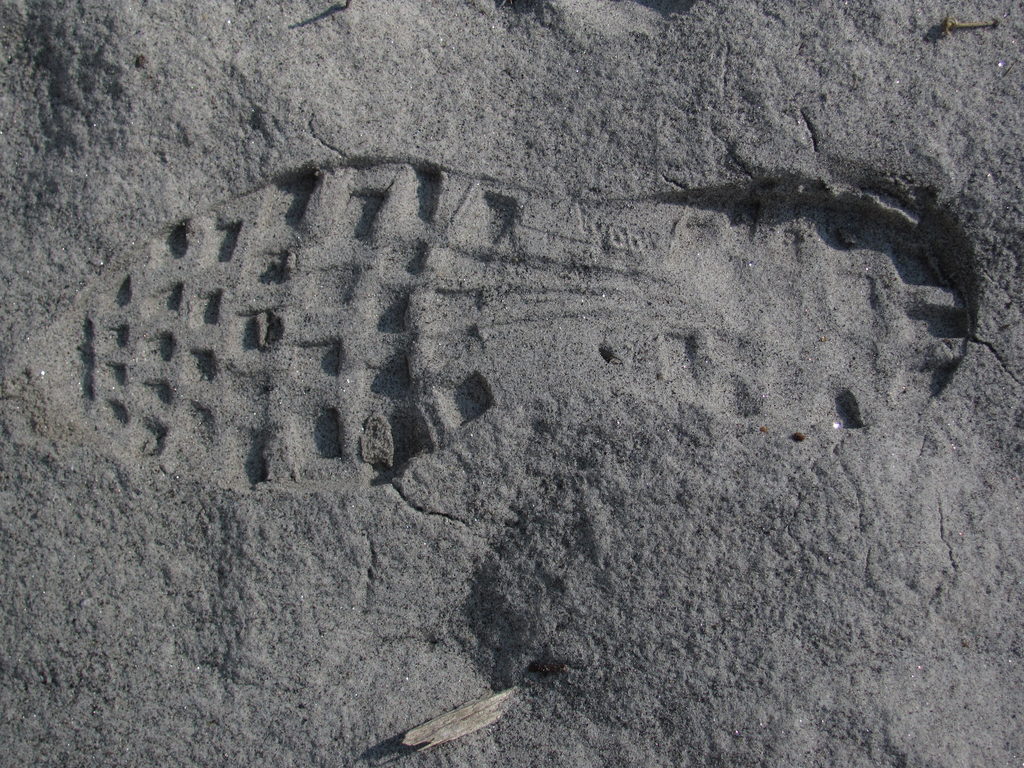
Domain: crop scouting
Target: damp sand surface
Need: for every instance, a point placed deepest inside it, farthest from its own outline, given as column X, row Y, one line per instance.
column 659, row 361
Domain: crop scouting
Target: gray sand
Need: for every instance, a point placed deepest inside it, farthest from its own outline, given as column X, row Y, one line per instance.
column 662, row 359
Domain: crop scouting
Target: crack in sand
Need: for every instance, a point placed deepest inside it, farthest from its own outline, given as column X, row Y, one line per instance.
column 423, row 510
column 942, row 535
column 315, row 135
column 999, row 358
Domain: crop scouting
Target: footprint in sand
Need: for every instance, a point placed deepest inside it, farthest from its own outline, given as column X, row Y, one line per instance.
column 334, row 325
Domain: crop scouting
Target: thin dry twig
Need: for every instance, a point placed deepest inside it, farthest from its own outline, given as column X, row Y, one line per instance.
column 951, row 24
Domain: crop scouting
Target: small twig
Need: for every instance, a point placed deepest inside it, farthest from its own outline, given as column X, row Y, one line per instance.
column 950, row 25
column 321, row 16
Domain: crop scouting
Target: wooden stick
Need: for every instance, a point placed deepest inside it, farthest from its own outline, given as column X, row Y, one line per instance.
column 459, row 722
column 950, row 25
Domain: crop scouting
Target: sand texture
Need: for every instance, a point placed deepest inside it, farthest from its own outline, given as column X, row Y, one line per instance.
column 660, row 360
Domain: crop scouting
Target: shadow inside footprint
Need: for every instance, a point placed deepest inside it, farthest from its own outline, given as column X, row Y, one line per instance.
column 848, row 410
